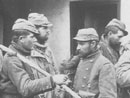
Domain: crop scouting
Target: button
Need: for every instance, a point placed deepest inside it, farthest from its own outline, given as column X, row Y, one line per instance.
column 86, row 69
column 83, row 86
column 47, row 87
column 89, row 85
column 91, row 60
column 84, row 77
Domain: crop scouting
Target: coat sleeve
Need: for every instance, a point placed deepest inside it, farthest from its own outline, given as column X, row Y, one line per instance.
column 21, row 79
column 123, row 69
column 107, row 82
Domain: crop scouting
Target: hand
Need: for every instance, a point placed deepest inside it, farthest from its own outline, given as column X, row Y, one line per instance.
column 60, row 79
column 12, row 53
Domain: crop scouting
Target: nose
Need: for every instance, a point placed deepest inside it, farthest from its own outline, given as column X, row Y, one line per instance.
column 78, row 47
column 48, row 31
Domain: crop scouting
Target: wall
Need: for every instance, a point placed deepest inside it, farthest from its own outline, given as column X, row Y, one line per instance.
column 1, row 29
column 125, row 14
column 125, row 17
column 57, row 12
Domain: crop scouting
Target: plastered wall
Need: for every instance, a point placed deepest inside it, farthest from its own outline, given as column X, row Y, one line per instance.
column 1, row 29
column 57, row 12
column 125, row 17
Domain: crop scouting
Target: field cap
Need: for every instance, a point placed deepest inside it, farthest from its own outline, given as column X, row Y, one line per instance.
column 22, row 24
column 86, row 34
column 117, row 23
column 39, row 19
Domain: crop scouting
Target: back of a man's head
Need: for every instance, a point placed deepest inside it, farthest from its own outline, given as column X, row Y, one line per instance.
column 113, row 29
column 18, row 33
column 114, row 25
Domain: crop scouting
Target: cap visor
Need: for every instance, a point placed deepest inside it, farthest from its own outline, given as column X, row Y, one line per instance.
column 48, row 25
column 125, row 32
column 79, row 39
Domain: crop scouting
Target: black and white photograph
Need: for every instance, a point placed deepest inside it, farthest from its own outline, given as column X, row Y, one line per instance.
column 64, row 49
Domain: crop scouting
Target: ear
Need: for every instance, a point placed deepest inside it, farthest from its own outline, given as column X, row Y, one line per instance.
column 110, row 33
column 21, row 38
column 93, row 44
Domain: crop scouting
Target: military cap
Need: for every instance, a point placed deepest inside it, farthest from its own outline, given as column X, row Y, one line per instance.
column 22, row 24
column 86, row 34
column 117, row 23
column 39, row 19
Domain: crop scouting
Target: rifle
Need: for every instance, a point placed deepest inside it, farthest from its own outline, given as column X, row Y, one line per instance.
column 22, row 58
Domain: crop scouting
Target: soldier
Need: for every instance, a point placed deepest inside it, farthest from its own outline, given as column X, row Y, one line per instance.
column 95, row 73
column 123, row 71
column 18, row 80
column 41, row 46
column 42, row 55
column 110, row 42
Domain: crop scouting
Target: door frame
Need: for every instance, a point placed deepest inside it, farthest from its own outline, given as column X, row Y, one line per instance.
column 74, row 27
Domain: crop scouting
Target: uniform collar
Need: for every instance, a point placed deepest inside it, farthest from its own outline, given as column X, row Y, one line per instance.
column 35, row 53
column 40, row 48
column 92, row 55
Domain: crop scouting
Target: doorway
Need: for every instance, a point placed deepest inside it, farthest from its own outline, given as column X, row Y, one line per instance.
column 86, row 14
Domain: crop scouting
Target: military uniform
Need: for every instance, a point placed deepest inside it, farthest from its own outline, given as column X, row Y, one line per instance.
column 108, row 52
column 42, row 55
column 123, row 74
column 13, row 83
column 95, row 73
column 18, row 79
column 44, row 61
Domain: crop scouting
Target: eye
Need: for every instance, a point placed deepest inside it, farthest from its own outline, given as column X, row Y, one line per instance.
column 120, row 36
column 32, row 36
column 45, row 27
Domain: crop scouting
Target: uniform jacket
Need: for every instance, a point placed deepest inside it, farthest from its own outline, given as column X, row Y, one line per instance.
column 108, row 52
column 123, row 74
column 96, row 74
column 18, row 79
column 44, row 55
column 43, row 58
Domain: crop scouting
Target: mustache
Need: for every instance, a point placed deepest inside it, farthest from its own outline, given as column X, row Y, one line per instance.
column 77, row 51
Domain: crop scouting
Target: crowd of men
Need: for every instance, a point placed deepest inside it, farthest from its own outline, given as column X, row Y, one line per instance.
column 100, row 68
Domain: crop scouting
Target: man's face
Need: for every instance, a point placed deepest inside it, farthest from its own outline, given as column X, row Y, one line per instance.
column 28, row 41
column 114, row 39
column 44, row 33
column 83, row 48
